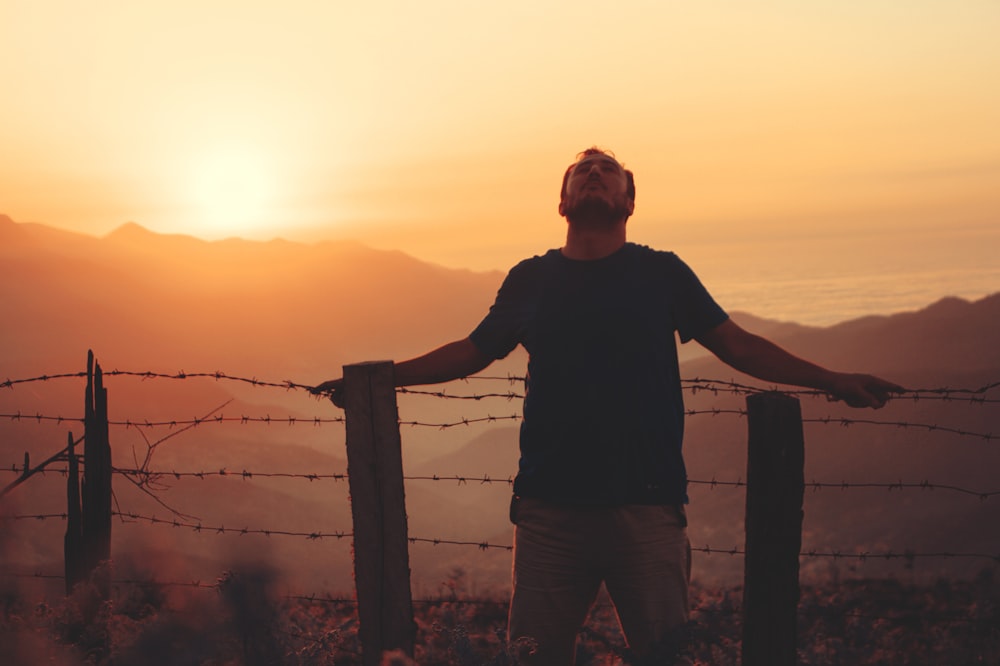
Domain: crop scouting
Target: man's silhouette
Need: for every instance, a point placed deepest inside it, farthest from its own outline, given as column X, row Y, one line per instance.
column 601, row 486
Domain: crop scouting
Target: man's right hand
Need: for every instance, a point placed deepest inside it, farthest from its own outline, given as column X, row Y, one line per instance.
column 859, row 390
column 333, row 389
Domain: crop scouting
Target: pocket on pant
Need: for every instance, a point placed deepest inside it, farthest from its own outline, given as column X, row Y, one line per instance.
column 674, row 514
column 525, row 508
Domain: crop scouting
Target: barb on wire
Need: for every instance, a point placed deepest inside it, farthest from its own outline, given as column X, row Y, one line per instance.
column 510, row 395
column 462, row 422
column 462, row 480
column 481, row 545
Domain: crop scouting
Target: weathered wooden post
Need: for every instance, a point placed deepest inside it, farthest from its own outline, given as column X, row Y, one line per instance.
column 775, row 488
column 96, row 490
column 375, row 473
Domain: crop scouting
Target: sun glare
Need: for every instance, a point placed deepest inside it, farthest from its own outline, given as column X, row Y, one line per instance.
column 233, row 190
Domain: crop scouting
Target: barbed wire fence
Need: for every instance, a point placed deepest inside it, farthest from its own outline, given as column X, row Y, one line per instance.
column 974, row 396
column 146, row 474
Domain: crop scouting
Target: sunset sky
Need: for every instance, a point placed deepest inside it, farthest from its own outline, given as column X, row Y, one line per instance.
column 441, row 128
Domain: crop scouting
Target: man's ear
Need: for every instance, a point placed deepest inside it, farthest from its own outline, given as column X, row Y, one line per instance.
column 561, row 213
column 629, row 203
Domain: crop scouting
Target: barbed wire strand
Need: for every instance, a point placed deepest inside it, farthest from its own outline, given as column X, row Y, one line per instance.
column 485, row 479
column 693, row 383
column 267, row 419
column 148, row 374
column 930, row 427
column 716, row 387
column 465, row 421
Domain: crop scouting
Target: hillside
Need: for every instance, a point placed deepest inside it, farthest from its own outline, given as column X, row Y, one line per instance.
column 279, row 310
column 139, row 297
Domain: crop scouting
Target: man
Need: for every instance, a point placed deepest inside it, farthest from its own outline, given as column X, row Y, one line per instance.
column 600, row 492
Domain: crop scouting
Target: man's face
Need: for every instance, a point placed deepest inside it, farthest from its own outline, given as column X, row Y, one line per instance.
column 596, row 190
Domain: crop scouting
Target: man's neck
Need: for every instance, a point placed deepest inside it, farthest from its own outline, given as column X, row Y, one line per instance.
column 590, row 244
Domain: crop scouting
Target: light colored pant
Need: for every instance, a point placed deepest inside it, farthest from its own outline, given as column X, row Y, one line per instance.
column 563, row 554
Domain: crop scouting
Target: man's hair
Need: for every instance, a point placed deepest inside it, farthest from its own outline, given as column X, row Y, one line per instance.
column 594, row 150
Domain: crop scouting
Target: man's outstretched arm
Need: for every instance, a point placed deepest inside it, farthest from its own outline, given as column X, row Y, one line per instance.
column 761, row 358
column 454, row 360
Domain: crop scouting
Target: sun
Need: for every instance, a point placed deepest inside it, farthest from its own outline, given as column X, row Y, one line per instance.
column 232, row 192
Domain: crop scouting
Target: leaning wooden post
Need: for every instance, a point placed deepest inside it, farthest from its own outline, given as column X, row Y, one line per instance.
column 775, row 488
column 96, row 491
column 375, row 473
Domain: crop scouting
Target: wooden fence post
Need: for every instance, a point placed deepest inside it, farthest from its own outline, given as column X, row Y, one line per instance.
column 775, row 488
column 96, row 490
column 375, row 474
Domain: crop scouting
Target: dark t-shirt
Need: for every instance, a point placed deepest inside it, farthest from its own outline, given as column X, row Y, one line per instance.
column 603, row 411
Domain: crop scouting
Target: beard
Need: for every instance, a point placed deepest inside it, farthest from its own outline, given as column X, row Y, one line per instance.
column 595, row 213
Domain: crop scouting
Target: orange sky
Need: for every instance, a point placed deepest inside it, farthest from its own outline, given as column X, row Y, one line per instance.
column 442, row 128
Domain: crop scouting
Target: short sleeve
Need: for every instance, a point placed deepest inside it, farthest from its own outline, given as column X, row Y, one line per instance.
column 695, row 311
column 504, row 326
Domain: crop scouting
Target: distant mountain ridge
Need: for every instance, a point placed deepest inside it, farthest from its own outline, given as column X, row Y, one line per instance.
column 195, row 301
column 296, row 280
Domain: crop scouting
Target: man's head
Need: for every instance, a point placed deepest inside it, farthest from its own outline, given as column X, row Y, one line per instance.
column 597, row 190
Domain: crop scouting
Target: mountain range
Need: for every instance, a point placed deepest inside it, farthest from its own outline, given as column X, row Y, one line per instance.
column 278, row 311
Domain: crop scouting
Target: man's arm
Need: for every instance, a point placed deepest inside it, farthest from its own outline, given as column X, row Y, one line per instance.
column 765, row 360
column 460, row 358
column 454, row 360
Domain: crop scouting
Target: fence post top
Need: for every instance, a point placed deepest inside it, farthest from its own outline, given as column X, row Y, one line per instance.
column 772, row 396
column 367, row 363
